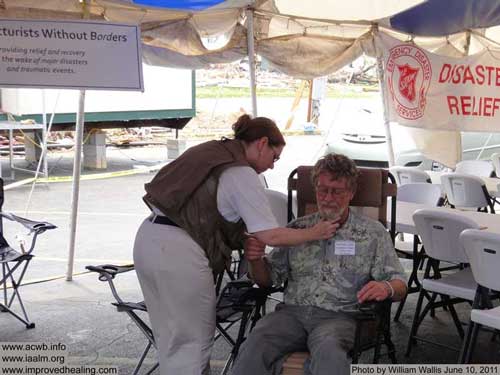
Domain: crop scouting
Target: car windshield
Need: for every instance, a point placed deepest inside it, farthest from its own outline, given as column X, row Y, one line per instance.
column 367, row 121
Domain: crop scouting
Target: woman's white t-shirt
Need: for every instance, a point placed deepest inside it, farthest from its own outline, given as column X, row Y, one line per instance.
column 241, row 195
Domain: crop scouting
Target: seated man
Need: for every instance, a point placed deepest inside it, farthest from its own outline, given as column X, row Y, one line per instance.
column 325, row 278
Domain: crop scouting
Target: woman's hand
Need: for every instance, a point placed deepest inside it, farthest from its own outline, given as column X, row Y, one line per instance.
column 324, row 229
column 254, row 249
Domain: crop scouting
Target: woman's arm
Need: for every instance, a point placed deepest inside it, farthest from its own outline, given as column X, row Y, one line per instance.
column 290, row 237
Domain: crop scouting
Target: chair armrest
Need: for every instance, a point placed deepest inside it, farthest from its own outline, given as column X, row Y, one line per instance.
column 34, row 226
column 109, row 271
column 369, row 310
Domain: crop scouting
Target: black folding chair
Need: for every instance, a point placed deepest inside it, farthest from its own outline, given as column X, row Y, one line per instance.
column 15, row 262
column 107, row 273
column 238, row 301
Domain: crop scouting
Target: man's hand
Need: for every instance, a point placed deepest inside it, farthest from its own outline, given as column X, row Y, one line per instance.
column 254, row 249
column 374, row 291
column 325, row 229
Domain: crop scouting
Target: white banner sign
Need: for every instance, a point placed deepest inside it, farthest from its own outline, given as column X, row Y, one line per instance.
column 70, row 54
column 426, row 90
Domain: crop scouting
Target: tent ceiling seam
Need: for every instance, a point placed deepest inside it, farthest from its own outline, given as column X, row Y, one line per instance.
column 484, row 37
column 315, row 36
column 332, row 22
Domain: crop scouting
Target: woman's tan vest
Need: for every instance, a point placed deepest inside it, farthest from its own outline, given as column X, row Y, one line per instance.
column 186, row 192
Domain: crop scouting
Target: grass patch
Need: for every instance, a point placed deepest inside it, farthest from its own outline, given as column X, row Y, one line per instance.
column 213, row 92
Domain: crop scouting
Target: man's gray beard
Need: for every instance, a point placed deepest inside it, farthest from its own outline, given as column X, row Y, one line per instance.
column 332, row 215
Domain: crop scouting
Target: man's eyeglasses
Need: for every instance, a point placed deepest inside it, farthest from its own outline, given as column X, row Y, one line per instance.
column 323, row 191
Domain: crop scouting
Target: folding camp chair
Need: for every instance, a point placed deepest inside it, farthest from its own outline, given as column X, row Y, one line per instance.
column 375, row 186
column 107, row 273
column 238, row 301
column 15, row 263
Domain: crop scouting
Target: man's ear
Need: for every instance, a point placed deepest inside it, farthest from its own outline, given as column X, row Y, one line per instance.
column 353, row 193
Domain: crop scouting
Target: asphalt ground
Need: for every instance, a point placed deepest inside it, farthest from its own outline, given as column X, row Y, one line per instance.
column 79, row 314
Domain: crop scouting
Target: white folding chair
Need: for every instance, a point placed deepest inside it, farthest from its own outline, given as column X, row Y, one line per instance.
column 439, row 231
column 409, row 175
column 420, row 192
column 278, row 202
column 423, row 193
column 495, row 160
column 483, row 250
column 466, row 191
column 480, row 168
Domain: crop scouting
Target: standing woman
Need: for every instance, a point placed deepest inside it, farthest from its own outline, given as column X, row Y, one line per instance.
column 202, row 204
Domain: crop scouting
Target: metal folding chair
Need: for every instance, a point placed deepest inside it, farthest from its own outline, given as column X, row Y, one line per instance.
column 15, row 262
column 107, row 273
column 238, row 302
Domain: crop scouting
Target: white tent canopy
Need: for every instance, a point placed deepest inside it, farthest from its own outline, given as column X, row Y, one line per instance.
column 308, row 31
column 303, row 39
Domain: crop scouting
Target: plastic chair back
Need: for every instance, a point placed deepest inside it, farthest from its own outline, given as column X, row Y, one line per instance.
column 495, row 160
column 464, row 190
column 481, row 168
column 422, row 193
column 409, row 175
column 440, row 230
column 279, row 206
column 483, row 250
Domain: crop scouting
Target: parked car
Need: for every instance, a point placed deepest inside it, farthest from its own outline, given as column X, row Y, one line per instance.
column 360, row 134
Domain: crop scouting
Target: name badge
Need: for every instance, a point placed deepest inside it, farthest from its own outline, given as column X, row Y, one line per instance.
column 345, row 248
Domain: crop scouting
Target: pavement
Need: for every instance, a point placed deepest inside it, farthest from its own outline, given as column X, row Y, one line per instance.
column 79, row 313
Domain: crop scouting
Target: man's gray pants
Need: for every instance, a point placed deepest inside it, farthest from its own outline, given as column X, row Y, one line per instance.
column 327, row 335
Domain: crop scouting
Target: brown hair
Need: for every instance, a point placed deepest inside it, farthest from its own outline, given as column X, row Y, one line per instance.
column 250, row 129
column 339, row 166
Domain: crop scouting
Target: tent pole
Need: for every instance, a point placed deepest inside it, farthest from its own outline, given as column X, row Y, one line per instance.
column 76, row 182
column 251, row 60
column 45, row 137
column 77, row 167
column 387, row 125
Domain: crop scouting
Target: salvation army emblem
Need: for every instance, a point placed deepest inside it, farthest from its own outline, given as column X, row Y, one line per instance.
column 409, row 74
column 407, row 77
